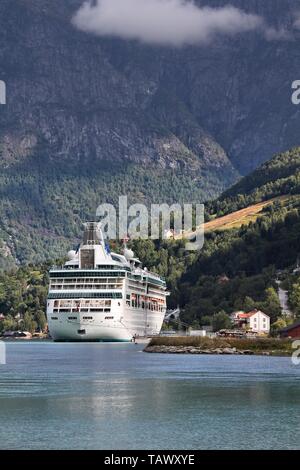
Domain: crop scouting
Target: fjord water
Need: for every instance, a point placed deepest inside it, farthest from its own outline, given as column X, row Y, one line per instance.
column 114, row 396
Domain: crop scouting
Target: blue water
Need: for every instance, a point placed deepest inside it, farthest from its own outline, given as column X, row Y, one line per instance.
column 114, row 396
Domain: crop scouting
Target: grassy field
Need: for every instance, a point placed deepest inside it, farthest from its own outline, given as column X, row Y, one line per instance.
column 255, row 345
column 238, row 218
column 241, row 217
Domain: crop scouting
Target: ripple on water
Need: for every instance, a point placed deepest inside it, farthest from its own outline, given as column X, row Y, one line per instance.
column 112, row 396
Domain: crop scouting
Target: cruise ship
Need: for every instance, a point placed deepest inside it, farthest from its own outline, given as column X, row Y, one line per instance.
column 99, row 295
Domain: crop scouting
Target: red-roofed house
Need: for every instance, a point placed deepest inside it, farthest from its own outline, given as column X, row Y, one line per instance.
column 256, row 321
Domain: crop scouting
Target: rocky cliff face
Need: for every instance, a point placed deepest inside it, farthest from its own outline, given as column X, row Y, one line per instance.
column 79, row 101
column 72, row 97
column 75, row 96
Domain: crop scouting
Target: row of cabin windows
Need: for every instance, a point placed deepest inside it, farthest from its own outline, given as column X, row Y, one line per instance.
column 86, row 310
column 113, row 267
column 139, row 285
column 123, row 273
column 86, row 286
column 146, row 305
column 81, row 303
column 83, row 295
column 87, row 274
column 91, row 280
column 153, row 283
column 84, row 318
column 139, row 289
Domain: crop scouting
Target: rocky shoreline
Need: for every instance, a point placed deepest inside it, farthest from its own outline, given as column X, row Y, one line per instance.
column 162, row 349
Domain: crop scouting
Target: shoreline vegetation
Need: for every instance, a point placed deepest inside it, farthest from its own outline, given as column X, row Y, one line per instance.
column 200, row 345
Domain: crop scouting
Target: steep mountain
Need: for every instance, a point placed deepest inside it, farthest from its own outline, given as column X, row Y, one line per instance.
column 90, row 118
column 278, row 177
column 80, row 100
column 75, row 96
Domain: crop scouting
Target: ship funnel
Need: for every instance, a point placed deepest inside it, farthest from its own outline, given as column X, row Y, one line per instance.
column 92, row 234
column 93, row 250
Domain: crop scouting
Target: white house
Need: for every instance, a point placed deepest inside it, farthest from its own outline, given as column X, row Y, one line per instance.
column 256, row 321
column 259, row 322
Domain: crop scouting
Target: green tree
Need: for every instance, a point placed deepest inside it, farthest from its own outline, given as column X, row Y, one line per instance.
column 249, row 304
column 40, row 320
column 28, row 323
column 206, row 320
column 271, row 305
column 221, row 321
column 8, row 324
column 294, row 299
column 278, row 325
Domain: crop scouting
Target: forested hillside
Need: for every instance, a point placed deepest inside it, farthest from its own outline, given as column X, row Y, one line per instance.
column 277, row 177
column 23, row 299
column 249, row 258
column 236, row 269
column 42, row 209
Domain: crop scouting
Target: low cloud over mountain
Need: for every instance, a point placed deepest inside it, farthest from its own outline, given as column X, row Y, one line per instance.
column 165, row 22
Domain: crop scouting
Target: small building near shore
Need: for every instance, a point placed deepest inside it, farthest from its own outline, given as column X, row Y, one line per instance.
column 201, row 333
column 255, row 321
column 291, row 331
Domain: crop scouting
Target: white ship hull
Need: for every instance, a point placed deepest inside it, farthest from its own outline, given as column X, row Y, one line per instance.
column 134, row 323
column 93, row 333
